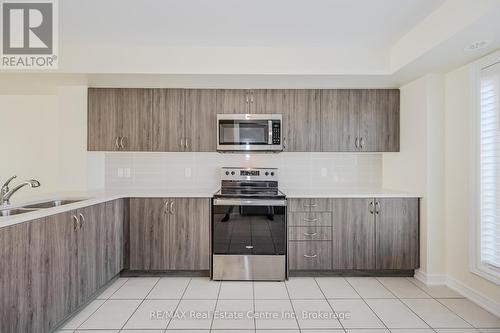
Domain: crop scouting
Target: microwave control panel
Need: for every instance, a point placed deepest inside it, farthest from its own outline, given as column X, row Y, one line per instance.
column 276, row 132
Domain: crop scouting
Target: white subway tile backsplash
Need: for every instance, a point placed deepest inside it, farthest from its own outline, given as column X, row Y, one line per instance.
column 202, row 170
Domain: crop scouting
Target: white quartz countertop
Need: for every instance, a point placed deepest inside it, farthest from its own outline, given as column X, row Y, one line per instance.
column 92, row 198
column 96, row 197
column 347, row 193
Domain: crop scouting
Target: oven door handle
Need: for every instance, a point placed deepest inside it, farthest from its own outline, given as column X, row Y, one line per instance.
column 249, row 202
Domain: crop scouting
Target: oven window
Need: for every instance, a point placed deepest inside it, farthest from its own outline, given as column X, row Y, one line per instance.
column 258, row 230
column 243, row 132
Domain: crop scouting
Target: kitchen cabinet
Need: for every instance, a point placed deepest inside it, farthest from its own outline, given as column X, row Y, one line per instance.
column 353, row 234
column 119, row 119
column 397, row 237
column 303, row 121
column 184, row 120
column 367, row 234
column 189, row 224
column 169, row 233
column 361, row 120
column 233, row 101
column 149, row 238
column 50, row 267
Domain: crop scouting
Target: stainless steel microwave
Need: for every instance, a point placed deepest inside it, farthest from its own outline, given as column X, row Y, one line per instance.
column 249, row 132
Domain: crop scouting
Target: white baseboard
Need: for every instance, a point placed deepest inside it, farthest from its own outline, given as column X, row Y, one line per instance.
column 476, row 297
column 430, row 279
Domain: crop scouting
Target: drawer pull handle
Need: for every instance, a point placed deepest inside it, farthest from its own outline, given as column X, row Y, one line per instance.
column 310, row 256
column 310, row 220
column 310, row 205
column 310, row 233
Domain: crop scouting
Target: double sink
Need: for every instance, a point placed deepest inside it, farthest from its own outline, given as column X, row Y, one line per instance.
column 37, row 206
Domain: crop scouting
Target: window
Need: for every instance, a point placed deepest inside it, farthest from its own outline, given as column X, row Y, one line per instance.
column 487, row 234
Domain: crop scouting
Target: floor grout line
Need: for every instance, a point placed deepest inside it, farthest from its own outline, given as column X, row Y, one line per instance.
column 326, row 299
column 178, row 303
column 139, row 304
column 293, row 309
column 215, row 308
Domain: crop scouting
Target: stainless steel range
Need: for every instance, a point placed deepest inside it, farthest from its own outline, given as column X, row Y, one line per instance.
column 249, row 226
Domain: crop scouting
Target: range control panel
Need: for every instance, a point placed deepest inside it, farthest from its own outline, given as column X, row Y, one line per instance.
column 249, row 174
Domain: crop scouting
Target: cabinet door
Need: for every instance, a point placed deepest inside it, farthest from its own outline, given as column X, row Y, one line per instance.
column 109, row 241
column 53, row 270
column 353, row 234
column 89, row 217
column 201, row 120
column 102, row 120
column 268, row 101
column 303, row 121
column 379, row 120
column 190, row 234
column 149, row 237
column 134, row 120
column 233, row 101
column 397, row 241
column 168, row 120
column 339, row 119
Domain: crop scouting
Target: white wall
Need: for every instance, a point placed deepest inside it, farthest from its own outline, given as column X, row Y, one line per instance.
column 458, row 142
column 43, row 136
column 419, row 166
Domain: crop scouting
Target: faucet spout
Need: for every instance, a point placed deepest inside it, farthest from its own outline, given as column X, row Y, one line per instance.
column 5, row 195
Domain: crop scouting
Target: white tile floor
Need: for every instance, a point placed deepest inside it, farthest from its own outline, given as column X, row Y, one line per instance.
column 307, row 305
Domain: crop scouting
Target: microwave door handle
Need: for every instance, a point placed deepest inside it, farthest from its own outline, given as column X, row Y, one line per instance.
column 270, row 132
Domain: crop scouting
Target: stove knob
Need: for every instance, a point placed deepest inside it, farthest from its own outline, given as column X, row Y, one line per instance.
column 232, row 173
column 272, row 173
column 267, row 173
column 227, row 173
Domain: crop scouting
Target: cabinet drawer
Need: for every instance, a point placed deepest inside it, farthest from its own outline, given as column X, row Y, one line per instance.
column 310, row 219
column 307, row 255
column 309, row 205
column 309, row 233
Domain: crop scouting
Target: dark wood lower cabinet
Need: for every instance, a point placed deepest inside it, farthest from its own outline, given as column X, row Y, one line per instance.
column 53, row 265
column 169, row 234
column 368, row 234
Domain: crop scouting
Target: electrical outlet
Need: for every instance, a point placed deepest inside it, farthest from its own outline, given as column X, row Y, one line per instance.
column 324, row 172
column 119, row 172
column 187, row 172
column 126, row 172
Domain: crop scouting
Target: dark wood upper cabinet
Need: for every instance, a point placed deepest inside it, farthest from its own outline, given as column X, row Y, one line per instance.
column 119, row 119
column 364, row 120
column 303, row 121
column 397, row 236
column 168, row 120
column 353, row 234
column 233, row 101
column 339, row 119
column 201, row 120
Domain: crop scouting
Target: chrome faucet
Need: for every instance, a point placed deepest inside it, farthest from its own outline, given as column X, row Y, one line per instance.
column 6, row 193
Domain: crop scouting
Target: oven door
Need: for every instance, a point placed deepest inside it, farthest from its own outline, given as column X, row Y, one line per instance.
column 249, row 227
column 248, row 132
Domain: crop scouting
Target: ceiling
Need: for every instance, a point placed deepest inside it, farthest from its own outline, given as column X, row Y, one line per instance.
column 351, row 24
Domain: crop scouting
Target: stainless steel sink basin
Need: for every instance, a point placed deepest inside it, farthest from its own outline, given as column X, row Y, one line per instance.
column 52, row 203
column 15, row 211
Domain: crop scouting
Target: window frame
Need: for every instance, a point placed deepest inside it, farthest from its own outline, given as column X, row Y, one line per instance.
column 476, row 266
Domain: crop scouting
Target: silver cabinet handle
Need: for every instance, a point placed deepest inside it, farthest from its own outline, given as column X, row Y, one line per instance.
column 361, row 142
column 123, row 142
column 310, row 234
column 377, row 207
column 75, row 222
column 310, row 220
column 117, row 145
column 188, row 141
column 310, row 256
column 356, row 141
column 246, row 97
column 284, row 143
column 171, row 207
column 371, row 207
column 251, row 98
column 310, row 205
column 182, row 143
column 82, row 219
column 165, row 205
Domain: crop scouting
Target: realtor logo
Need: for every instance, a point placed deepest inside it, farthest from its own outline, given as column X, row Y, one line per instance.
column 29, row 34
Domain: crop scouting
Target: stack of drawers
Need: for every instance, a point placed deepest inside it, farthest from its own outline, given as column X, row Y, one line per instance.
column 310, row 234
